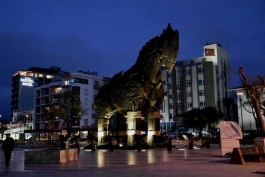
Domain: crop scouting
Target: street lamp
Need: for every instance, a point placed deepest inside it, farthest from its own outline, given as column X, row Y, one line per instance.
column 240, row 95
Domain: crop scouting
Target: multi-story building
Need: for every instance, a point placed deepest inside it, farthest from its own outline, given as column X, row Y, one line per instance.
column 22, row 98
column 87, row 84
column 196, row 83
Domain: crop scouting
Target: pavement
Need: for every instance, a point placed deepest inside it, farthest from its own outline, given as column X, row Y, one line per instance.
column 180, row 162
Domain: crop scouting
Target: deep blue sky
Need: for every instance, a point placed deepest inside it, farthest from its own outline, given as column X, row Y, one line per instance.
column 106, row 36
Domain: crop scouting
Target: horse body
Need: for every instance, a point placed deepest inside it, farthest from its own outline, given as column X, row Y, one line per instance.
column 140, row 88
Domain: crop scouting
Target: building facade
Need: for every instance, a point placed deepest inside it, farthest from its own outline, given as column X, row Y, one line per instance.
column 24, row 83
column 196, row 83
column 87, row 84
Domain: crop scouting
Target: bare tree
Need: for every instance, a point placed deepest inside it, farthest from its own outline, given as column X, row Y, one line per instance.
column 254, row 93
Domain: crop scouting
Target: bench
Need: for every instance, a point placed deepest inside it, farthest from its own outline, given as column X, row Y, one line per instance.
column 246, row 154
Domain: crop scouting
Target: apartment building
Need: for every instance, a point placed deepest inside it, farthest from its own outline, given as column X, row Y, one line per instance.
column 196, row 83
column 86, row 83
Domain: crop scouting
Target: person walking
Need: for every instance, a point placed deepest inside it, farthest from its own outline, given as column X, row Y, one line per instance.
column 8, row 146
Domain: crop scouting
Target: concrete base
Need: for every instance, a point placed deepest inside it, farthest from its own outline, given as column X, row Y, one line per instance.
column 50, row 156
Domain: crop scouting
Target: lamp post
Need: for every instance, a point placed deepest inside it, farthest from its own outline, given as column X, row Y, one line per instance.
column 240, row 95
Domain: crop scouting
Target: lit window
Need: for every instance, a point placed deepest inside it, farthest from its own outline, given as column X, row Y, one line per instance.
column 58, row 89
column 67, row 82
column 49, row 76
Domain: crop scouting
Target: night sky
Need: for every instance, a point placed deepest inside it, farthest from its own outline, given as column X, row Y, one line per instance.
column 106, row 36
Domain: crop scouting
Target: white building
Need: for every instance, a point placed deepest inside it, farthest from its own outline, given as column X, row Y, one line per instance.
column 196, row 83
column 86, row 83
column 245, row 112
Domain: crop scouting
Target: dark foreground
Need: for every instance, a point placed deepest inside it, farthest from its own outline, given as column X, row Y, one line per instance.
column 180, row 162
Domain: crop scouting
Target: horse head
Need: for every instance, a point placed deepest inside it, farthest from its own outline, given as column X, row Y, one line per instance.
column 159, row 51
column 167, row 47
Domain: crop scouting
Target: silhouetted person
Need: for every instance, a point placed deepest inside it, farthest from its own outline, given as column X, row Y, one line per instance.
column 8, row 146
column 92, row 139
column 137, row 142
column 62, row 140
column 190, row 143
column 109, row 139
column 169, row 144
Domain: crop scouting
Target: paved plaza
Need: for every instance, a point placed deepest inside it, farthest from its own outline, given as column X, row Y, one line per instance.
column 180, row 162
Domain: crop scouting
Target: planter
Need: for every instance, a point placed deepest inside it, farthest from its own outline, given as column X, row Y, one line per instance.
column 50, row 156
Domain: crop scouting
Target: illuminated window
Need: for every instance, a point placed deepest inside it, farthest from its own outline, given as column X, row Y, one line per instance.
column 49, row 76
column 79, row 80
column 58, row 90
column 67, row 82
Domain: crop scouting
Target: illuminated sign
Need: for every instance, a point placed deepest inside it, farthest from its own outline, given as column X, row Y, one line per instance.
column 27, row 81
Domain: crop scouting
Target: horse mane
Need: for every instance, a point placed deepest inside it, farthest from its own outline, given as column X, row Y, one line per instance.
column 147, row 52
column 153, row 46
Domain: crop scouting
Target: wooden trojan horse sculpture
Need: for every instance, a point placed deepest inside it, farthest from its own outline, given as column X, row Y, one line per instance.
column 139, row 92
